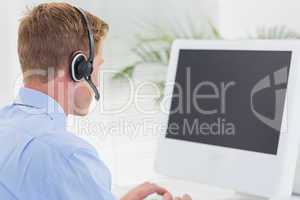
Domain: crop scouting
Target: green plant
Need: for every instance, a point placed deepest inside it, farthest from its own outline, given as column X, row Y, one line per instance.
column 275, row 32
column 154, row 47
column 161, row 86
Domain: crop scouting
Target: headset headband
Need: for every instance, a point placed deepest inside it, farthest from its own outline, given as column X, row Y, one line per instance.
column 90, row 35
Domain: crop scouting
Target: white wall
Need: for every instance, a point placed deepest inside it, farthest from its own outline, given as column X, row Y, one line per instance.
column 124, row 17
column 239, row 18
column 8, row 50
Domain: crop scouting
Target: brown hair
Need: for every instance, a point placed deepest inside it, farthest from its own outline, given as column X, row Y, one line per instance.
column 51, row 32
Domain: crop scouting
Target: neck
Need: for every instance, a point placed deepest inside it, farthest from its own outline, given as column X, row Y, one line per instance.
column 52, row 91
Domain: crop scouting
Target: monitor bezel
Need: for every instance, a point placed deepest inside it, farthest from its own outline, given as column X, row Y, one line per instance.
column 275, row 172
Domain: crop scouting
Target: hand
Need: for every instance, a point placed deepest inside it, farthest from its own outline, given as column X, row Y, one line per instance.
column 144, row 190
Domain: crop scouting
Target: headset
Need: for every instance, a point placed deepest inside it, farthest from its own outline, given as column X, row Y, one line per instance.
column 81, row 67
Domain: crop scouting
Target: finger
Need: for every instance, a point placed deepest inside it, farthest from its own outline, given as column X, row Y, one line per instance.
column 160, row 190
column 186, row 197
column 177, row 198
column 147, row 189
column 167, row 196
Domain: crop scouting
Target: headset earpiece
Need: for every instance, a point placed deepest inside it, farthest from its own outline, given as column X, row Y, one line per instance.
column 80, row 67
column 78, row 61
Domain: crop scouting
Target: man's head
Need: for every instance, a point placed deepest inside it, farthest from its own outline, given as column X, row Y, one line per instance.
column 49, row 34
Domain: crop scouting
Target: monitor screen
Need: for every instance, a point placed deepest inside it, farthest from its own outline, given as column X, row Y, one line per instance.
column 230, row 98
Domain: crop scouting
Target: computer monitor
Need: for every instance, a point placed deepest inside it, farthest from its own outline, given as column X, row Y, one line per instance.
column 231, row 115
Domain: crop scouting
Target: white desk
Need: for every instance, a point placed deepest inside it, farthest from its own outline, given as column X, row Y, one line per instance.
column 197, row 191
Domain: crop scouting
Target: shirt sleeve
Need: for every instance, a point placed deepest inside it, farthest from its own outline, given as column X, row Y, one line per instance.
column 79, row 176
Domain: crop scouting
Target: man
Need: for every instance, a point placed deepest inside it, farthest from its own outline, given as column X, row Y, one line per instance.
column 39, row 158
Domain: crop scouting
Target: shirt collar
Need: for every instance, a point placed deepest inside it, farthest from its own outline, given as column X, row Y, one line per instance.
column 43, row 103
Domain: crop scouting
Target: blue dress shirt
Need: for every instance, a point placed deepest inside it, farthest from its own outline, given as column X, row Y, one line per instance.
column 41, row 160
